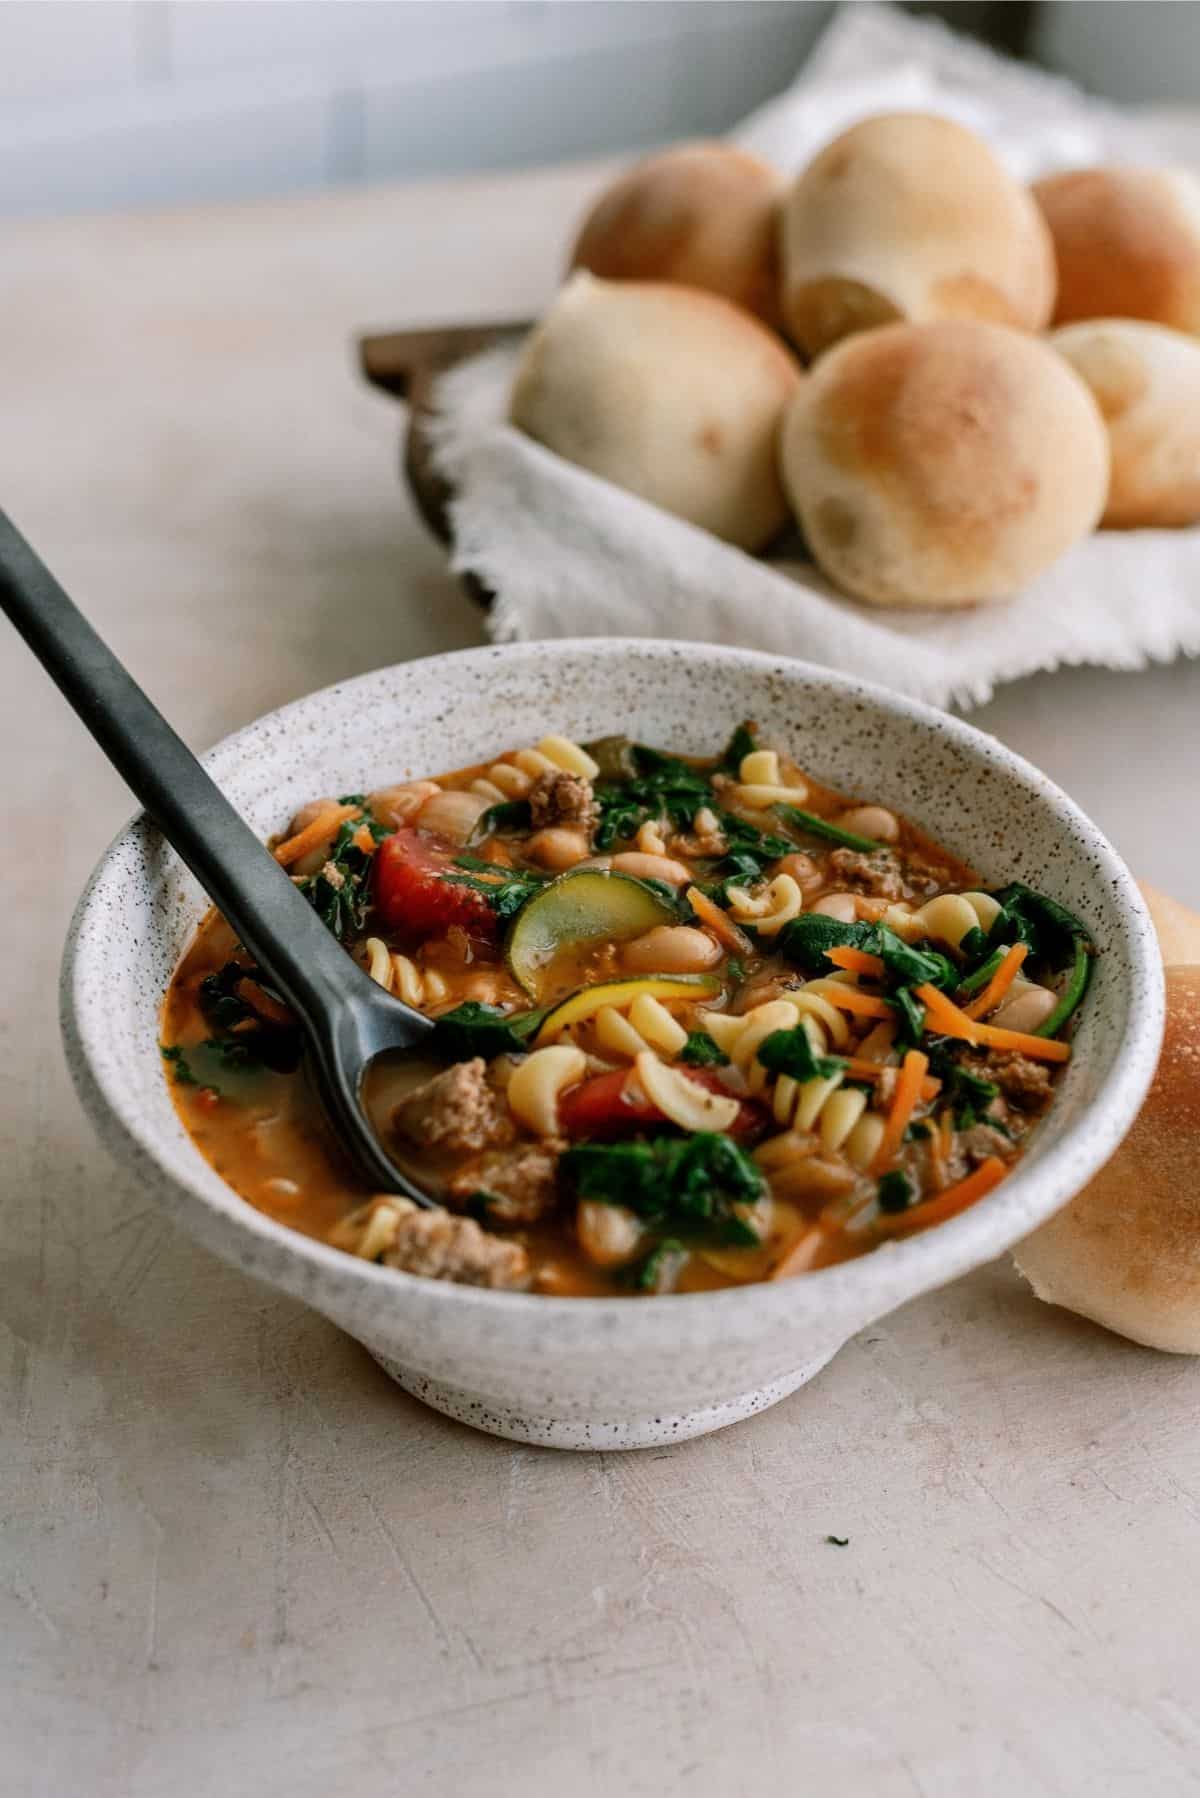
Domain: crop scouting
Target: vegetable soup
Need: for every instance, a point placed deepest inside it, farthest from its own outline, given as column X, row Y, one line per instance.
column 697, row 1023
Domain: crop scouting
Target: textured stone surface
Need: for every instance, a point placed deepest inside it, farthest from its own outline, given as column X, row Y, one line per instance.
column 235, row 1558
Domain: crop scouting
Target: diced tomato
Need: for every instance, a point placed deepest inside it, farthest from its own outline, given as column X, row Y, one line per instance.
column 613, row 1104
column 413, row 896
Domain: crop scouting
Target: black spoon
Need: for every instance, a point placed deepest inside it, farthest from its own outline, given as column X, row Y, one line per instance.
column 346, row 1017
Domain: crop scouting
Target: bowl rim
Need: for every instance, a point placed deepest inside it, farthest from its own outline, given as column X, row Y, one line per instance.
column 895, row 1270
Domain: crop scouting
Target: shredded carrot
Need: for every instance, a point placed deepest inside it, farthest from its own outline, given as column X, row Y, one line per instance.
column 948, row 1204
column 313, row 835
column 362, row 839
column 947, row 1018
column 913, row 1070
column 858, row 1069
column 857, row 960
column 714, row 919
column 848, row 998
column 803, row 1252
column 999, row 984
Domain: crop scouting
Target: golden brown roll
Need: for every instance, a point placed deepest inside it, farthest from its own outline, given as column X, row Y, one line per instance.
column 910, row 216
column 1146, row 382
column 1127, row 244
column 671, row 393
column 703, row 215
column 1126, row 1252
column 942, row 464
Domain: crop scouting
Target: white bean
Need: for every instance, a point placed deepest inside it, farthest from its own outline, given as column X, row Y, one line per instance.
column 452, row 814
column 1026, row 1010
column 802, row 868
column 837, row 905
column 397, row 805
column 557, row 846
column 671, row 949
column 608, row 1234
column 650, row 867
column 871, row 821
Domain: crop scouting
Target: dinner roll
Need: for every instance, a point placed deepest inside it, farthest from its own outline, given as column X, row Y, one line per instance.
column 1127, row 244
column 703, row 214
column 671, row 393
column 1146, row 382
column 1177, row 928
column 1126, row 1252
column 941, row 464
column 910, row 216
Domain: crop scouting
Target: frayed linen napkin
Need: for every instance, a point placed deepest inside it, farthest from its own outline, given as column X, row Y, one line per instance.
column 568, row 555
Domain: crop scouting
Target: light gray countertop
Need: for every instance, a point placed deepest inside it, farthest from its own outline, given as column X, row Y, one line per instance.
column 235, row 1559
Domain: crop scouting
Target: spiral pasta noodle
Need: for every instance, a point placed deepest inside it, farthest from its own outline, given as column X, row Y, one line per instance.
column 647, row 1024
column 769, row 910
column 397, row 974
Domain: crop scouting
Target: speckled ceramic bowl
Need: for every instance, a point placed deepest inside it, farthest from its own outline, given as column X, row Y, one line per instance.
column 610, row 1373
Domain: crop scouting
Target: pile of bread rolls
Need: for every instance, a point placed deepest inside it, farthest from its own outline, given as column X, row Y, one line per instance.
column 946, row 378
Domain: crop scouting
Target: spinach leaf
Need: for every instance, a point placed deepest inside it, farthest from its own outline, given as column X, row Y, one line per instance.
column 339, row 892
column 507, row 895
column 791, row 1052
column 474, row 1029
column 807, row 940
column 968, row 1094
column 1055, row 936
column 275, row 1046
column 505, row 817
column 740, row 745
column 895, row 1192
column 911, row 1014
column 175, row 1058
column 659, row 786
column 821, row 827
column 701, row 1051
column 691, row 1186
column 658, row 1272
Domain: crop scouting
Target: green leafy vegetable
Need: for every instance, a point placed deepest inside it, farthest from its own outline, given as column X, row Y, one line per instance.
column 275, row 1046
column 911, row 1015
column 968, row 1094
column 977, row 979
column 503, row 818
column 1055, row 936
column 691, row 1186
column 339, row 892
column 507, row 895
column 658, row 1272
column 181, row 1073
column 896, row 1191
column 735, row 969
column 740, row 745
column 474, row 1029
column 791, row 1052
column 821, row 827
column 660, row 786
column 235, row 1054
column 700, row 1051
column 807, row 940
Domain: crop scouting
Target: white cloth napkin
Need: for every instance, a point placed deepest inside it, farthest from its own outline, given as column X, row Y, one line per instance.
column 570, row 555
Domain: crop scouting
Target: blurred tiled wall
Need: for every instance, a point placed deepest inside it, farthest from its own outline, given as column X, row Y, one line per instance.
column 109, row 103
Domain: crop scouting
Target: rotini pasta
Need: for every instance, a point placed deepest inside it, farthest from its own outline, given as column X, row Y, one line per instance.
column 536, row 1083
column 646, row 1025
column 399, row 975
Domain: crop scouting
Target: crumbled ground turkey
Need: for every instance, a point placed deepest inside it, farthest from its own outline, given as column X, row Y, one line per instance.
column 1024, row 1083
column 557, row 798
column 440, row 1246
column 982, row 1141
column 877, row 874
column 520, row 1184
column 457, row 1109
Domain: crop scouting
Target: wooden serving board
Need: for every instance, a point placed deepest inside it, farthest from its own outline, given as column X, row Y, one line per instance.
column 406, row 364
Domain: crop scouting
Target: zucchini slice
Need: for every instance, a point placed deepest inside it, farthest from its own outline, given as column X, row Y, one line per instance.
column 590, row 999
column 593, row 905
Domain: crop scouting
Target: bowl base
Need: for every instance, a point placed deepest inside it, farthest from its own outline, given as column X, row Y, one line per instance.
column 589, row 1434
